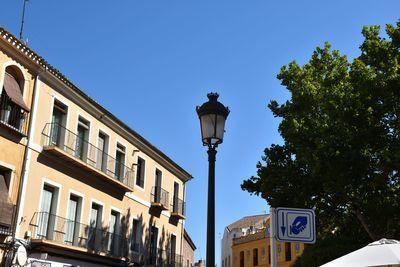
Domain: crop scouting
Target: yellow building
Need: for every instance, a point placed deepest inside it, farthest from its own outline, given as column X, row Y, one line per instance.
column 253, row 249
column 94, row 192
column 16, row 90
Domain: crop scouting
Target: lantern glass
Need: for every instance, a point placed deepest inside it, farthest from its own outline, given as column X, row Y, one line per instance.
column 212, row 128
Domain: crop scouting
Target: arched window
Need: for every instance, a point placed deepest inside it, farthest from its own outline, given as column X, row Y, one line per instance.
column 13, row 110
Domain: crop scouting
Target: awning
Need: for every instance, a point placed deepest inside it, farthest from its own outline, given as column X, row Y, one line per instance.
column 14, row 92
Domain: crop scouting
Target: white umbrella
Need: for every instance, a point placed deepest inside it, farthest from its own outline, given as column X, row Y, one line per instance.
column 379, row 253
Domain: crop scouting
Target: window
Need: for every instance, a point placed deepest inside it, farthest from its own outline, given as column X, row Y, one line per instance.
column 140, row 172
column 263, row 253
column 46, row 216
column 153, row 244
column 113, row 232
column 102, row 157
column 229, row 261
column 158, row 183
column 269, row 254
column 81, row 143
column 58, row 121
column 255, row 256
column 13, row 110
column 136, row 235
column 73, row 219
column 173, row 248
column 297, row 247
column 241, row 259
column 176, row 204
column 95, row 235
column 288, row 251
column 120, row 162
column 6, row 207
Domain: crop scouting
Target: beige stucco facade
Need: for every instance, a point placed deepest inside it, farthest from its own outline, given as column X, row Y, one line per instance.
column 82, row 161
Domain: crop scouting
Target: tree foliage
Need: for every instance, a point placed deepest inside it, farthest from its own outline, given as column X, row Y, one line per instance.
column 341, row 150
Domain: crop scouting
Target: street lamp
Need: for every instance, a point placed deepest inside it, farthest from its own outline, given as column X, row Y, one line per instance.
column 212, row 115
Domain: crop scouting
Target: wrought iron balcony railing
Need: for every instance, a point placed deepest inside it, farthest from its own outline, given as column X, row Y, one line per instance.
column 160, row 257
column 46, row 226
column 12, row 115
column 55, row 135
column 160, row 197
column 178, row 206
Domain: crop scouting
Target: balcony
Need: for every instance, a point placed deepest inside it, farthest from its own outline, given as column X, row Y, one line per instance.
column 64, row 144
column 160, row 257
column 260, row 234
column 12, row 116
column 67, row 235
column 159, row 198
column 178, row 209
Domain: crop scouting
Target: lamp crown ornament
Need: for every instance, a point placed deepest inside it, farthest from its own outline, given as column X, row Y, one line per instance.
column 213, row 96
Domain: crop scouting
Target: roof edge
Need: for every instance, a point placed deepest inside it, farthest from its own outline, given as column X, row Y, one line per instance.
column 39, row 60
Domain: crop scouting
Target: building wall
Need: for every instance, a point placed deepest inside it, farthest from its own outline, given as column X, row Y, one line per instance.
column 188, row 254
column 69, row 178
column 226, row 246
column 12, row 145
column 48, row 169
column 263, row 247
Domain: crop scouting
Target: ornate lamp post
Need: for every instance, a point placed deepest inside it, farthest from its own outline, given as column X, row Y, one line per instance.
column 212, row 115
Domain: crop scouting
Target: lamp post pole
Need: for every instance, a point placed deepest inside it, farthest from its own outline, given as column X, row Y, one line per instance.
column 211, row 208
column 212, row 115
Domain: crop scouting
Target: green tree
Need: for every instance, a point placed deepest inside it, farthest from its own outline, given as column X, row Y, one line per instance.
column 341, row 150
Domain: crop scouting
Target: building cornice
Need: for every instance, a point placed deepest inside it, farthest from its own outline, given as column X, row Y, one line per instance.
column 55, row 78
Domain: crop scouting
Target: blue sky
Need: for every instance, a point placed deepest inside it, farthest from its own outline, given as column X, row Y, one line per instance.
column 151, row 62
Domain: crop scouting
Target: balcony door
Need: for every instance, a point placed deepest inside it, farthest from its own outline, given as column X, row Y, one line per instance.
column 173, row 249
column 113, row 233
column 101, row 162
column 119, row 162
column 72, row 222
column 158, row 183
column 176, row 199
column 45, row 218
column 153, row 244
column 94, row 236
column 81, row 143
column 57, row 124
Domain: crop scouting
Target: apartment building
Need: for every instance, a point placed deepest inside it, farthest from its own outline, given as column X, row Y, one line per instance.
column 252, row 248
column 16, row 90
column 93, row 191
column 188, row 250
column 242, row 227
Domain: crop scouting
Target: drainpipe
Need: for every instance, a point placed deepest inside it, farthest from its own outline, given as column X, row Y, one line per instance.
column 25, row 165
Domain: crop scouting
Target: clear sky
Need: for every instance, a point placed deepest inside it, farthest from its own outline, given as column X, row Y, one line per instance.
column 150, row 62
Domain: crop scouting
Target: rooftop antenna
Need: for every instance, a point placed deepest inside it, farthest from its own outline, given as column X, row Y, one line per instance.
column 23, row 18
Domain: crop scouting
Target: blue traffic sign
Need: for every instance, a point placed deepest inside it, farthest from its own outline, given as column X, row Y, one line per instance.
column 295, row 225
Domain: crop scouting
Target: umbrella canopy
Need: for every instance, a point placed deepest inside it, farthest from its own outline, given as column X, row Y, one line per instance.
column 379, row 253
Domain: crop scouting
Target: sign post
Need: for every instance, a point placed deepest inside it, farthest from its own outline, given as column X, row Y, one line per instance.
column 272, row 236
column 290, row 225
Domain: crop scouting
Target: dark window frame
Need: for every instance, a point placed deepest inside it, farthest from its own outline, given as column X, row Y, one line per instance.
column 140, row 172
